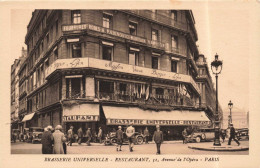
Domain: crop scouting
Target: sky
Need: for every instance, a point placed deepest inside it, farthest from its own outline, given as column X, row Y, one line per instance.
column 220, row 30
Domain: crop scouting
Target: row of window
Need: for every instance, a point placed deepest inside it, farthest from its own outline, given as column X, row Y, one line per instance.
column 107, row 23
column 46, row 41
column 133, row 57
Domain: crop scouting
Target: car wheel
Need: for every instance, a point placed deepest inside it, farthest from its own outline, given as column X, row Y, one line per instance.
column 114, row 141
column 33, row 141
column 139, row 140
column 198, row 139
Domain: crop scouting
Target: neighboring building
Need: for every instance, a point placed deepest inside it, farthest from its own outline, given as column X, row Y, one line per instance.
column 104, row 68
column 15, row 89
column 239, row 118
column 208, row 92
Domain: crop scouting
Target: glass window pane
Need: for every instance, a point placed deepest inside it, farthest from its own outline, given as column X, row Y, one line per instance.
column 155, row 62
column 107, row 53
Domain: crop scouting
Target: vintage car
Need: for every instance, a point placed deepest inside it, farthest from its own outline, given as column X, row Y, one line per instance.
column 111, row 138
column 35, row 134
column 202, row 134
column 242, row 133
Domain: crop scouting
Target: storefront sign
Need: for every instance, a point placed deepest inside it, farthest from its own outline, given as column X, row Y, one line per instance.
column 80, row 118
column 119, row 67
column 81, row 27
column 155, row 122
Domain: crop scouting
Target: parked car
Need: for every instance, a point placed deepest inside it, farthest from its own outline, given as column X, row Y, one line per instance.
column 242, row 133
column 111, row 138
column 35, row 134
column 203, row 134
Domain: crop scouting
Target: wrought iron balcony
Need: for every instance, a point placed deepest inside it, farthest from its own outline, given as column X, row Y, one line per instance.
column 155, row 99
column 75, row 94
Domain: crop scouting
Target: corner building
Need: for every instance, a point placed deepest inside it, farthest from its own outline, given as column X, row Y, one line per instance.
column 104, row 68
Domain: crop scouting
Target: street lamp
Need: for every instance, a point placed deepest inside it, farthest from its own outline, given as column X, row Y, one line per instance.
column 216, row 67
column 230, row 106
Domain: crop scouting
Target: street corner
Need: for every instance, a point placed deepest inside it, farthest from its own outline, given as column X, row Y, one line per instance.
column 223, row 147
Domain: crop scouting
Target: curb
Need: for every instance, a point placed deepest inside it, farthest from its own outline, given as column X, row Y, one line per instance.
column 219, row 148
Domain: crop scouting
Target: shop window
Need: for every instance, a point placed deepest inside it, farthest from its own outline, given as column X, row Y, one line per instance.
column 107, row 52
column 76, row 17
column 73, row 87
column 174, row 15
column 107, row 21
column 133, row 57
column 106, row 86
column 174, row 66
column 76, row 50
column 155, row 35
column 155, row 64
column 174, row 41
column 122, row 88
column 133, row 28
column 159, row 93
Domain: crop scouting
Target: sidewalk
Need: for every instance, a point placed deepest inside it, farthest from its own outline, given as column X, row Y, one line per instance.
column 223, row 147
column 102, row 144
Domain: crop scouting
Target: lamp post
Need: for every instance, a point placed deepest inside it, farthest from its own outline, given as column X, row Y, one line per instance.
column 216, row 67
column 230, row 106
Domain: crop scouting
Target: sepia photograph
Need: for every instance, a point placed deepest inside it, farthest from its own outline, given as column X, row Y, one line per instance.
column 159, row 82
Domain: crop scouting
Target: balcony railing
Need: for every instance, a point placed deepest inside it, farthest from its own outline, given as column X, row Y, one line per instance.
column 75, row 94
column 159, row 18
column 154, row 99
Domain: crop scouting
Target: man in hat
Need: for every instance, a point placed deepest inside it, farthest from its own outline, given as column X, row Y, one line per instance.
column 232, row 135
column 130, row 133
column 80, row 135
column 100, row 133
column 184, row 136
column 158, row 139
column 70, row 135
column 146, row 135
column 47, row 141
column 88, row 135
column 119, row 137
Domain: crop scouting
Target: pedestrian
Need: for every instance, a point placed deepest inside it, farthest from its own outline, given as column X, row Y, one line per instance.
column 119, row 137
column 70, row 136
column 47, row 141
column 80, row 135
column 146, row 135
column 223, row 135
column 232, row 135
column 158, row 139
column 59, row 138
column 88, row 135
column 184, row 136
column 130, row 133
column 100, row 133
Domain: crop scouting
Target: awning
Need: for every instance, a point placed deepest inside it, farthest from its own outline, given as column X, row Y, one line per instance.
column 137, row 116
column 81, row 112
column 28, row 117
